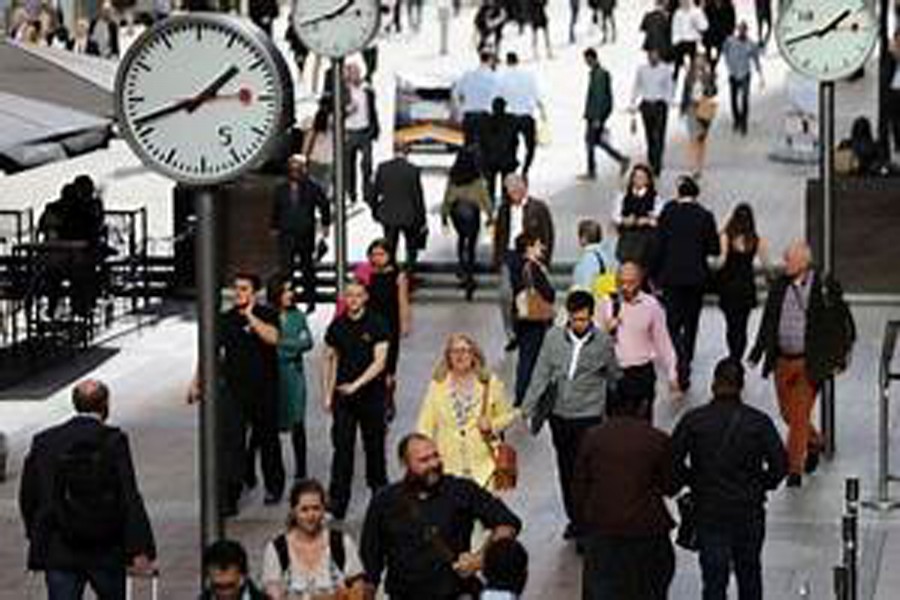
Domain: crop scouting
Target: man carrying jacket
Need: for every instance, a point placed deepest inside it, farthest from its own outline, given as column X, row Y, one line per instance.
column 730, row 455
column 84, row 516
column 576, row 365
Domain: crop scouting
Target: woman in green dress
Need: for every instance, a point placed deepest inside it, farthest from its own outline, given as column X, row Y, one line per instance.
column 294, row 341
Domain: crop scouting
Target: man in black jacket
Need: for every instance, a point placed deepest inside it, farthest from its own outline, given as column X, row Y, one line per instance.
column 730, row 455
column 293, row 221
column 398, row 203
column 93, row 535
column 803, row 338
column 687, row 238
column 498, row 145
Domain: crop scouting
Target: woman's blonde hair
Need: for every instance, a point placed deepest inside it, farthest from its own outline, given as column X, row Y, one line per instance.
column 442, row 368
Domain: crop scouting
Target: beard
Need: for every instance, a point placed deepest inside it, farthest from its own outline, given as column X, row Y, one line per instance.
column 427, row 480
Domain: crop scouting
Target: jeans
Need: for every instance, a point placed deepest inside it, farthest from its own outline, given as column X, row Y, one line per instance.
column 740, row 102
column 594, row 136
column 358, row 142
column 566, row 435
column 727, row 545
column 627, row 568
column 639, row 383
column 364, row 410
column 467, row 223
column 683, row 305
column 107, row 584
column 654, row 115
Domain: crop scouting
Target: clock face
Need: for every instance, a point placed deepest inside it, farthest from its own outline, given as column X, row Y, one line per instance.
column 826, row 39
column 336, row 28
column 202, row 98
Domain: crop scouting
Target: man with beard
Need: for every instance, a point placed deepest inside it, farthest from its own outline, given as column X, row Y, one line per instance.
column 420, row 528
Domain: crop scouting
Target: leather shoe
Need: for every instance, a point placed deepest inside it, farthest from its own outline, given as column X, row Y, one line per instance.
column 511, row 345
column 812, row 462
column 794, row 480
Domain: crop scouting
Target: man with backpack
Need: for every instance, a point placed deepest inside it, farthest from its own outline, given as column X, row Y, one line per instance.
column 84, row 516
column 595, row 270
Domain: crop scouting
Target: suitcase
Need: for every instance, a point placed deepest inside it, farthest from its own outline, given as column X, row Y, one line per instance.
column 132, row 582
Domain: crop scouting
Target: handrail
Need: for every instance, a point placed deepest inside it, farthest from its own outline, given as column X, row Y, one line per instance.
column 883, row 500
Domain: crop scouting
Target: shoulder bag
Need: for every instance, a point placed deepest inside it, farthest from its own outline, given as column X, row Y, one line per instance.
column 506, row 460
column 530, row 304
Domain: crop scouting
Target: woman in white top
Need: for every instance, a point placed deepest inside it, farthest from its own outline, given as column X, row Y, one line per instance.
column 688, row 24
column 309, row 561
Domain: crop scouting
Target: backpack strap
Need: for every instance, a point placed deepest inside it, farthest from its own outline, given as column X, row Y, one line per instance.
column 600, row 262
column 284, row 557
column 336, row 545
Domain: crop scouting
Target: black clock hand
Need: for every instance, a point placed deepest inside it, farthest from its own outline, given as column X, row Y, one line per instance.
column 162, row 112
column 820, row 31
column 335, row 12
column 213, row 88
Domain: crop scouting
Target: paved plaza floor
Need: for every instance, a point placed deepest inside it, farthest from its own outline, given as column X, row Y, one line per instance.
column 150, row 372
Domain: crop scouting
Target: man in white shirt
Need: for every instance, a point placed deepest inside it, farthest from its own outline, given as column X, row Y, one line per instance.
column 652, row 92
column 362, row 130
column 689, row 23
column 519, row 88
column 473, row 94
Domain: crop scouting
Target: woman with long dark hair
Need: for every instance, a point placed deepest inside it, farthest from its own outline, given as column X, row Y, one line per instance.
column 464, row 201
column 635, row 214
column 736, row 278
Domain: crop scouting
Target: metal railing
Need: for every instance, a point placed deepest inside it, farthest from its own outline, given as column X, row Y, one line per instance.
column 883, row 500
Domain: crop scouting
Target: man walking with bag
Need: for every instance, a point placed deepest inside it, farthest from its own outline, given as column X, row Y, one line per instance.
column 730, row 455
column 84, row 516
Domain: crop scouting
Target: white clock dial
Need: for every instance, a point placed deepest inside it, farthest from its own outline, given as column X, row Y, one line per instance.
column 826, row 39
column 202, row 98
column 336, row 28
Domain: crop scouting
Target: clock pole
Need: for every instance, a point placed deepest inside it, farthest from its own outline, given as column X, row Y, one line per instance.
column 340, row 206
column 211, row 528
column 826, row 174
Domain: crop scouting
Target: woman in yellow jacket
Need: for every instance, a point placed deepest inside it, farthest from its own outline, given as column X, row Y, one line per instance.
column 454, row 414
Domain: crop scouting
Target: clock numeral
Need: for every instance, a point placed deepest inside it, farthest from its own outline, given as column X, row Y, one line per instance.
column 226, row 135
column 143, row 132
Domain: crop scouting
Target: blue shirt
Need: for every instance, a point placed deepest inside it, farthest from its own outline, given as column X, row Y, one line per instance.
column 476, row 90
column 588, row 266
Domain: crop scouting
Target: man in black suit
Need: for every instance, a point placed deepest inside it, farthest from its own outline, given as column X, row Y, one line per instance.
column 293, row 221
column 84, row 516
column 687, row 237
column 398, row 203
column 519, row 213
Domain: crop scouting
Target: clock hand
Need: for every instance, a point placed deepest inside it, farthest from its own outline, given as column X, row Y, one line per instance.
column 821, row 31
column 212, row 89
column 162, row 112
column 335, row 12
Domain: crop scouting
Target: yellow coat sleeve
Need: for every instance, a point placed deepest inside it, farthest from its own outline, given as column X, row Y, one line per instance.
column 428, row 418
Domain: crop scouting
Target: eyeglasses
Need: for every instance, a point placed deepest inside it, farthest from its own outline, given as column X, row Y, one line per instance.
column 460, row 351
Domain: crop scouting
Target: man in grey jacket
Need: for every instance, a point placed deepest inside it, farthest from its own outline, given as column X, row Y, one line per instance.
column 580, row 361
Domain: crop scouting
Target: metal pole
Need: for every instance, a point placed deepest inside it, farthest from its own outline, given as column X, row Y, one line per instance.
column 211, row 527
column 849, row 534
column 826, row 169
column 340, row 207
column 840, row 583
column 883, row 501
column 884, row 78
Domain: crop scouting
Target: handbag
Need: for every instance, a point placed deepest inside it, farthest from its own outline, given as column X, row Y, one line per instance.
column 544, row 408
column 530, row 304
column 686, row 503
column 706, row 109
column 505, row 457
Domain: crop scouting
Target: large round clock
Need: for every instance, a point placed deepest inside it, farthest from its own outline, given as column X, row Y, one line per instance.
column 336, row 28
column 203, row 98
column 826, row 39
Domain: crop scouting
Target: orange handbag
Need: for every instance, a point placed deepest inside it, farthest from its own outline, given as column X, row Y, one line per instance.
column 506, row 459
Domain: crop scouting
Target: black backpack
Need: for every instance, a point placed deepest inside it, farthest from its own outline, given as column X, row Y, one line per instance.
column 335, row 544
column 88, row 507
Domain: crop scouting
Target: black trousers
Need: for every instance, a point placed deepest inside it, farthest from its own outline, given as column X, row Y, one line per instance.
column 567, row 435
column 627, row 568
column 472, row 126
column 683, row 305
column 530, row 335
column 263, row 438
column 682, row 50
column 594, row 136
column 298, row 444
column 528, row 130
column 732, row 545
column 740, row 102
column 655, row 116
column 466, row 218
column 736, row 317
column 296, row 252
column 638, row 384
column 491, row 173
column 410, row 235
column 893, row 114
column 364, row 411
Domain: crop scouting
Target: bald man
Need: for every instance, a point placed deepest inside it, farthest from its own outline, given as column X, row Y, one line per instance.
column 795, row 342
column 83, row 514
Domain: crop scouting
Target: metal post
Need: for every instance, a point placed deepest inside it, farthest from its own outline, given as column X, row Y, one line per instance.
column 850, row 537
column 340, row 206
column 840, row 583
column 883, row 501
column 884, row 77
column 826, row 170
column 211, row 528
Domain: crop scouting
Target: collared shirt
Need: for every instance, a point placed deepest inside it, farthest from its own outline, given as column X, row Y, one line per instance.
column 358, row 118
column 688, row 25
column 653, row 84
column 577, row 344
column 476, row 89
column 792, row 325
column 739, row 54
column 642, row 336
column 516, row 222
column 519, row 88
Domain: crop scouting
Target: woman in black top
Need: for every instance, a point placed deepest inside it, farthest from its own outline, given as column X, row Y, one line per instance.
column 537, row 15
column 736, row 280
column 635, row 214
column 388, row 289
column 530, row 273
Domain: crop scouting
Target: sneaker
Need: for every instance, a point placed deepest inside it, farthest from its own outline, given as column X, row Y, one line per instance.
column 794, row 480
column 511, row 345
